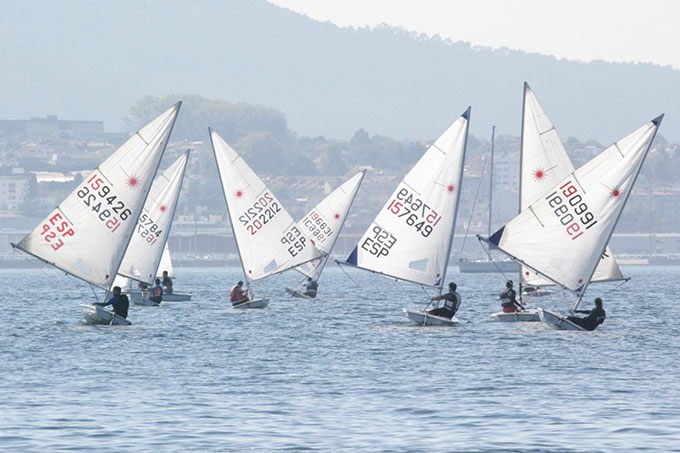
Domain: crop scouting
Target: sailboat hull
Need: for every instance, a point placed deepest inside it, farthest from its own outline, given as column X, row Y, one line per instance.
column 256, row 303
column 556, row 321
column 176, row 297
column 97, row 315
column 425, row 319
column 297, row 293
column 530, row 315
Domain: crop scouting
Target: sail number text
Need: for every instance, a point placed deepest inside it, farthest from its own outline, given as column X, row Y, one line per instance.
column 295, row 239
column 148, row 229
column 380, row 243
column 574, row 214
column 260, row 213
column 414, row 211
column 95, row 193
column 317, row 226
column 55, row 229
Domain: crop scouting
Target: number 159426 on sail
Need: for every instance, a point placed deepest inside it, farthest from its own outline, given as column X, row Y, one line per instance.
column 94, row 193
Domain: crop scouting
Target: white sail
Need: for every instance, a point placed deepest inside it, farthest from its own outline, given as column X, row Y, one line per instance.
column 410, row 239
column 268, row 239
column 563, row 234
column 545, row 162
column 88, row 233
column 143, row 255
column 165, row 264
column 323, row 223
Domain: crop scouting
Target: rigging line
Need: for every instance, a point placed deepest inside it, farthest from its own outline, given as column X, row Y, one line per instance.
column 618, row 286
column 348, row 276
column 495, row 263
column 472, row 211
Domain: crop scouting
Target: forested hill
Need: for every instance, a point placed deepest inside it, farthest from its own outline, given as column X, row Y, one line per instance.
column 92, row 60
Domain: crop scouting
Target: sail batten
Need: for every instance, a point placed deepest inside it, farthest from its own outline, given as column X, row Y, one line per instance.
column 410, row 239
column 88, row 233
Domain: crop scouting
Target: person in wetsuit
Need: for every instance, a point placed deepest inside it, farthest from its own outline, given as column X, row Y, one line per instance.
column 119, row 302
column 167, row 283
column 451, row 303
column 595, row 317
column 311, row 287
column 508, row 299
column 156, row 292
column 236, row 295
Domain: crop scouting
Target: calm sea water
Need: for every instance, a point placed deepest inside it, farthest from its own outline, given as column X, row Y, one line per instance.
column 345, row 371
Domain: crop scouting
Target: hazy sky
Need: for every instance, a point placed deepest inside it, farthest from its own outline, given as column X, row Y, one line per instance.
column 584, row 30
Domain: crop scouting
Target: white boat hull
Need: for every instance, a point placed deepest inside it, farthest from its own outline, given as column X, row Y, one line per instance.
column 556, row 321
column 529, row 315
column 95, row 314
column 486, row 266
column 256, row 303
column 145, row 302
column 176, row 297
column 425, row 319
column 297, row 293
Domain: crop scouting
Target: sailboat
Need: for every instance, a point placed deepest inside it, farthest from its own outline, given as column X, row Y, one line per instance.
column 323, row 224
column 267, row 238
column 468, row 266
column 543, row 162
column 166, row 265
column 410, row 239
column 563, row 235
column 87, row 235
column 149, row 242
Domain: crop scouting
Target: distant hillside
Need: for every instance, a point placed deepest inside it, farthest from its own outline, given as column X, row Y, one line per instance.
column 93, row 60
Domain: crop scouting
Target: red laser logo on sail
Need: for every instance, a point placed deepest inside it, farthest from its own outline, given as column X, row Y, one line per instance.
column 539, row 174
column 133, row 182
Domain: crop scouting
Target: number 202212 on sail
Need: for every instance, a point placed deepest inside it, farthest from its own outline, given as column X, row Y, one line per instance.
column 570, row 208
column 259, row 214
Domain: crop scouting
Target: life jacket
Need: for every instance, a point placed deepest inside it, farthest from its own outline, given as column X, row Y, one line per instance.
column 507, row 297
column 236, row 293
column 452, row 305
column 158, row 292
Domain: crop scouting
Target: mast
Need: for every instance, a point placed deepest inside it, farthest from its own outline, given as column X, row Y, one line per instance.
column 224, row 194
column 465, row 115
column 493, row 133
column 656, row 121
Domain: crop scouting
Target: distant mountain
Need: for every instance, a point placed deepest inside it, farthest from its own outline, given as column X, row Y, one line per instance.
column 94, row 60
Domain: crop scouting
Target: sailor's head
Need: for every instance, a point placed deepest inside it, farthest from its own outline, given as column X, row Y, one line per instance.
column 240, row 283
column 165, row 274
column 598, row 302
column 309, row 279
column 508, row 284
column 452, row 286
column 158, row 281
column 116, row 290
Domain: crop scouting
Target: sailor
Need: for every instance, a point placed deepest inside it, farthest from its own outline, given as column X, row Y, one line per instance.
column 119, row 302
column 451, row 303
column 167, row 283
column 236, row 295
column 156, row 294
column 311, row 287
column 595, row 316
column 508, row 299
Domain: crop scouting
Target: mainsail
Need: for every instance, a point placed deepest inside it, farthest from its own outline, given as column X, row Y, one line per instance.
column 268, row 239
column 323, row 223
column 544, row 162
column 88, row 233
column 148, row 242
column 410, row 239
column 563, row 234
